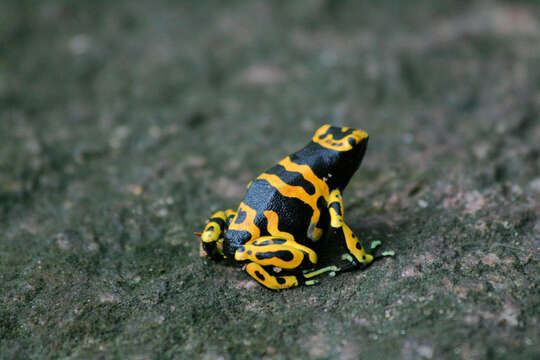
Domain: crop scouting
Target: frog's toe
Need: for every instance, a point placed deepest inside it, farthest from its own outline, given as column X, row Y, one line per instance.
column 384, row 254
column 375, row 244
column 311, row 282
column 347, row 257
column 308, row 274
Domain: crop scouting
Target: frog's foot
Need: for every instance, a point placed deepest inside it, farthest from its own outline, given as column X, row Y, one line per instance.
column 275, row 282
column 374, row 245
column 384, row 254
column 333, row 269
column 356, row 258
column 212, row 236
column 352, row 263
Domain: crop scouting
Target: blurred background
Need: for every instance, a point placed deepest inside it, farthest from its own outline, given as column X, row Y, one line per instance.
column 125, row 124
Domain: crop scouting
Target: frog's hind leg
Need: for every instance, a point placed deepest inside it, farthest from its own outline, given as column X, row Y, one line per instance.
column 273, row 281
column 212, row 235
column 277, row 252
column 269, row 255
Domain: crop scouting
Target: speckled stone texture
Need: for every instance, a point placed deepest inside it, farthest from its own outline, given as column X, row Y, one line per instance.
column 124, row 124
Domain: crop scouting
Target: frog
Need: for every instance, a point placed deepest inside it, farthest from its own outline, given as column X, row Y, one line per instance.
column 288, row 208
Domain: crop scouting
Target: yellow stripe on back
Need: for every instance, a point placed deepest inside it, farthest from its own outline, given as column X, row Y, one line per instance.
column 308, row 174
column 298, row 192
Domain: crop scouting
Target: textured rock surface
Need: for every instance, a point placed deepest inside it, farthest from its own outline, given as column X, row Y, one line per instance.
column 124, row 124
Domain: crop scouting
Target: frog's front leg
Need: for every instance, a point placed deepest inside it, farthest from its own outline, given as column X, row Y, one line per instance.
column 335, row 207
column 271, row 252
column 212, row 235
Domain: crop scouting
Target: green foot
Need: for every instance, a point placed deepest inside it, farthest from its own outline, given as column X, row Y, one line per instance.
column 309, row 274
column 375, row 244
column 347, row 257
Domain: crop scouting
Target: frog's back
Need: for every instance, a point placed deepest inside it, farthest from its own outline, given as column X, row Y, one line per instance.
column 288, row 189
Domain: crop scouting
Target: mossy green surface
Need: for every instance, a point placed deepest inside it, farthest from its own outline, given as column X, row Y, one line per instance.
column 125, row 124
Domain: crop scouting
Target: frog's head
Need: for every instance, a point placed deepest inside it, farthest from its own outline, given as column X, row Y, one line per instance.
column 212, row 236
column 343, row 148
column 340, row 139
column 211, row 249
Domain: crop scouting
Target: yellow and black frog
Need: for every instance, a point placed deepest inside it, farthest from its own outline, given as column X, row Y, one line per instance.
column 288, row 208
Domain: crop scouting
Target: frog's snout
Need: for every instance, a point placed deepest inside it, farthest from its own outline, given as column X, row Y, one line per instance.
column 212, row 249
column 209, row 246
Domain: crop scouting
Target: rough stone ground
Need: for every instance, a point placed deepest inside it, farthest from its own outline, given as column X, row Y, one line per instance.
column 124, row 124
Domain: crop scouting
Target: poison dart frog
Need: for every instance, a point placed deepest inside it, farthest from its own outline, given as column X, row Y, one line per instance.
column 288, row 208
